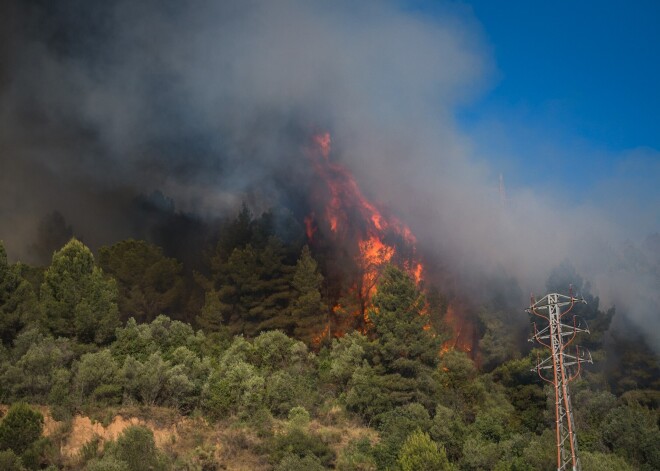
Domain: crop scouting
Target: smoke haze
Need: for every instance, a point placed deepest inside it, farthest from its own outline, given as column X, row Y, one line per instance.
column 212, row 103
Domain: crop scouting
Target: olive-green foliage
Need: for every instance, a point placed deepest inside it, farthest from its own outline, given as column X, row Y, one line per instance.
column 107, row 463
column 540, row 454
column 347, row 354
column 9, row 461
column 20, row 428
column 401, row 360
column 39, row 453
column 136, row 448
column 298, row 418
column 252, row 291
column 500, row 339
column 394, row 427
column 308, row 311
column 448, row 428
column 97, row 378
column 163, row 334
column 420, row 453
column 146, row 381
column 235, row 390
column 272, row 370
column 595, row 461
column 301, row 443
column 357, row 456
column 149, row 283
column 18, row 304
column 34, row 365
column 479, row 454
column 293, row 462
column 77, row 300
column 632, row 432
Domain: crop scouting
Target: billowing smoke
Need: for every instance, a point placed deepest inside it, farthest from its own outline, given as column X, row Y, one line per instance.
column 107, row 106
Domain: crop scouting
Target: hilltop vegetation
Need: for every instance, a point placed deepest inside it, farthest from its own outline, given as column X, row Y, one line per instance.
column 243, row 350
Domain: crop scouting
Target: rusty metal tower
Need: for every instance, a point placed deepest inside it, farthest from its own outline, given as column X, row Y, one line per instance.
column 557, row 335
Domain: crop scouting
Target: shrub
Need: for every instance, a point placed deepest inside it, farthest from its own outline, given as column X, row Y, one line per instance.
column 296, row 463
column 298, row 418
column 357, row 456
column 20, row 428
column 420, row 453
column 9, row 461
column 136, row 448
column 300, row 443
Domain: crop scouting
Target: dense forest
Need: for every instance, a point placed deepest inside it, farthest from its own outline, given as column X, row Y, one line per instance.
column 244, row 345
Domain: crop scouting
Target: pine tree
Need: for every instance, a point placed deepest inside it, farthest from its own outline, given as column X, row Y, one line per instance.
column 76, row 298
column 9, row 281
column 404, row 353
column 308, row 311
column 17, row 299
column 149, row 283
column 254, row 294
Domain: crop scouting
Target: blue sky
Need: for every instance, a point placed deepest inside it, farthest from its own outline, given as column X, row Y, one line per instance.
column 574, row 91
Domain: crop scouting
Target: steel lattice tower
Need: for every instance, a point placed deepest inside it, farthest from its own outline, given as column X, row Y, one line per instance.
column 557, row 336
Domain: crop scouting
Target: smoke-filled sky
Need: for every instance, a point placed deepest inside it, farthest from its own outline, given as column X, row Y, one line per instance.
column 211, row 103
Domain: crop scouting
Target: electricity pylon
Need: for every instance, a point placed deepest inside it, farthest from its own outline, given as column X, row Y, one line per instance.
column 556, row 336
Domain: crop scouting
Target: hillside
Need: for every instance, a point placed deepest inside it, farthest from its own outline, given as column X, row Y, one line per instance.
column 267, row 380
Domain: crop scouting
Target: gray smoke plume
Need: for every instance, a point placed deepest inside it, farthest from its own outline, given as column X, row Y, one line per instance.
column 212, row 103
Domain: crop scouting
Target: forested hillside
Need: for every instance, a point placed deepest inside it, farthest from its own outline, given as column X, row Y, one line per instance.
column 248, row 348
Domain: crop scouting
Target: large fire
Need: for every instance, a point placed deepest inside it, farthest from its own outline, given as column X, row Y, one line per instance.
column 374, row 238
column 369, row 239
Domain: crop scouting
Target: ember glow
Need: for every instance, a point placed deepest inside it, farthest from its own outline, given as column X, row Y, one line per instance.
column 373, row 238
column 464, row 331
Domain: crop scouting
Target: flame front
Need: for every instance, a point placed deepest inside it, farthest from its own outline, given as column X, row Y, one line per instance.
column 353, row 221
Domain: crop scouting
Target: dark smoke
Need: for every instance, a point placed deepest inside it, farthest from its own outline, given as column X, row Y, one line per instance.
column 156, row 118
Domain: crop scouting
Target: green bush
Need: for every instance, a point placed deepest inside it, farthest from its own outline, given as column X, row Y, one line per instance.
column 107, row 463
column 298, row 418
column 136, row 447
column 357, row 456
column 296, row 463
column 20, row 428
column 603, row 462
column 9, row 461
column 420, row 453
column 301, row 443
column 39, row 453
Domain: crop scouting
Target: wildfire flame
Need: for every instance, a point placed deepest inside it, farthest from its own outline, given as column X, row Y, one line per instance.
column 352, row 219
column 463, row 331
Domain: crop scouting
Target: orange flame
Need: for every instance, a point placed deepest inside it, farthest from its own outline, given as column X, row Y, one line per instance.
column 463, row 332
column 354, row 220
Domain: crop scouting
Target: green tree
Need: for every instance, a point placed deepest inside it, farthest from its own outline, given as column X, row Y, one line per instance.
column 17, row 299
column 76, row 298
column 149, row 282
column 633, row 433
column 97, row 378
column 35, row 362
column 603, row 462
column 236, row 388
column 147, row 381
column 254, row 293
column 137, row 449
column 394, row 427
column 9, row 320
column 9, row 461
column 20, row 428
column 407, row 345
column 420, row 453
column 404, row 354
column 308, row 311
